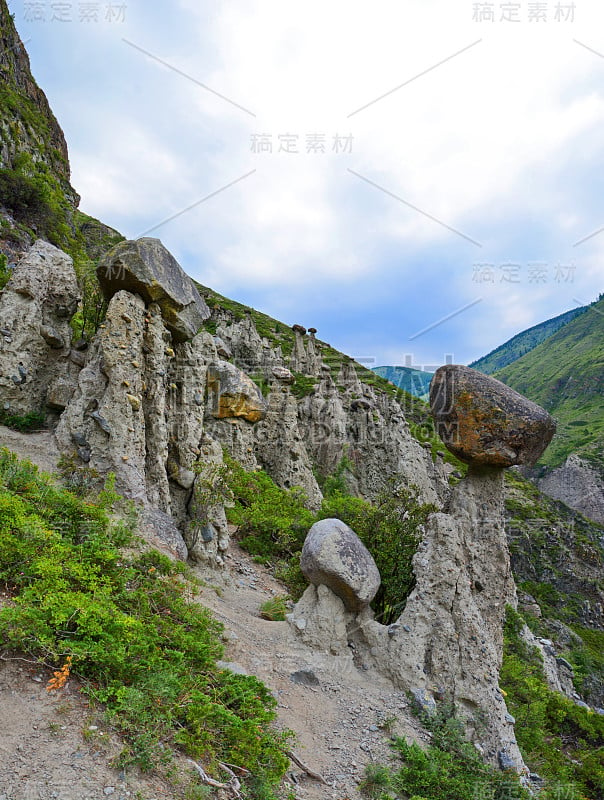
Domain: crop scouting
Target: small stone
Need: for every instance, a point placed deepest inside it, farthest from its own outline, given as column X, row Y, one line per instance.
column 424, row 701
column 304, row 677
column 509, row 718
column 108, row 790
column 283, row 375
column 77, row 358
column 505, row 761
column 169, row 352
column 79, row 439
column 101, row 422
column 51, row 337
column 135, row 364
column 134, row 401
column 84, row 453
column 208, row 533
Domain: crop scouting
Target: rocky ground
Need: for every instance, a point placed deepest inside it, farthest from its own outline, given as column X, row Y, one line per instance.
column 55, row 746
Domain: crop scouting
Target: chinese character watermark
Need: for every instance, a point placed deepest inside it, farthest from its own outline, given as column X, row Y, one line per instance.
column 523, row 12
column 88, row 12
column 314, row 143
column 534, row 272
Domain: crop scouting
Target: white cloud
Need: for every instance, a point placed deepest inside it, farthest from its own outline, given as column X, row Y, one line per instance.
column 483, row 142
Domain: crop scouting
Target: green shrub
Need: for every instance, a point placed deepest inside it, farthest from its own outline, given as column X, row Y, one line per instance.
column 558, row 739
column 303, row 385
column 272, row 522
column 22, row 193
column 449, row 768
column 5, row 272
column 127, row 626
column 28, row 422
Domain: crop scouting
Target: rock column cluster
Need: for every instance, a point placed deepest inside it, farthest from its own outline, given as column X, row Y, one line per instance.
column 447, row 644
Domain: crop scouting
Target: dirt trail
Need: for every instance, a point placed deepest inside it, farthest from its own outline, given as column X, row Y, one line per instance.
column 343, row 720
column 54, row 746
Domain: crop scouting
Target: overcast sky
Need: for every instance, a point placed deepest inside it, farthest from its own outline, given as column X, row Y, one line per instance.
column 415, row 178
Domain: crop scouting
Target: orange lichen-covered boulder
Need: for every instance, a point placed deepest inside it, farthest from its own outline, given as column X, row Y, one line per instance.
column 485, row 423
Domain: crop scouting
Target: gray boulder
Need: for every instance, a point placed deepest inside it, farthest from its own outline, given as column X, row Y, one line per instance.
column 484, row 422
column 334, row 556
column 145, row 267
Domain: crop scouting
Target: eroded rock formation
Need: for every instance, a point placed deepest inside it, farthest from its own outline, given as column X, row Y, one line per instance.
column 447, row 644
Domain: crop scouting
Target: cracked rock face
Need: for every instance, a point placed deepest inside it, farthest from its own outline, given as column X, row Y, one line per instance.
column 35, row 337
column 334, row 556
column 145, row 267
column 484, row 422
column 234, row 394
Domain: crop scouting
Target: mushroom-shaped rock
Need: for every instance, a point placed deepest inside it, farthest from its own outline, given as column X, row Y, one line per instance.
column 234, row 394
column 145, row 267
column 334, row 556
column 484, row 422
column 299, row 329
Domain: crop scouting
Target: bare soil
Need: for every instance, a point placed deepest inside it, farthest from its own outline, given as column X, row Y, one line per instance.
column 55, row 746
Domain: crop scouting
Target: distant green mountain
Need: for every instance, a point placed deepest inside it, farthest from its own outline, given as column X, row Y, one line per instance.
column 524, row 342
column 565, row 375
column 413, row 381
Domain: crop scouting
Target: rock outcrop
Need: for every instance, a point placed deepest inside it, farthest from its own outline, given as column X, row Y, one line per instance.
column 484, row 422
column 234, row 394
column 447, row 644
column 334, row 556
column 145, row 267
column 35, row 130
column 35, row 336
column 578, row 484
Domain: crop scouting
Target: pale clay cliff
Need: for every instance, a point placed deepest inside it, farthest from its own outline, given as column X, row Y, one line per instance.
column 158, row 412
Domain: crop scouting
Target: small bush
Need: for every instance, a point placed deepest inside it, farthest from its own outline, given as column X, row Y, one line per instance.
column 5, row 272
column 28, row 422
column 272, row 522
column 450, row 767
column 274, row 609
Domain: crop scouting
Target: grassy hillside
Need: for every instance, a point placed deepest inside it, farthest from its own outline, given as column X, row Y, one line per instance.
column 413, row 381
column 565, row 374
column 524, row 342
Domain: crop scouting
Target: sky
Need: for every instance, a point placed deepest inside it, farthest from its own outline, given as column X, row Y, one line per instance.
column 419, row 180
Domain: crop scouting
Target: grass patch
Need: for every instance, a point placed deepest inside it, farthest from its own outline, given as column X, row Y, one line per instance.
column 127, row 626
column 450, row 767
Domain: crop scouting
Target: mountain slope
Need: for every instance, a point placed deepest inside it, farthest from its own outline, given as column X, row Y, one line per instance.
column 414, row 381
column 565, row 374
column 524, row 342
